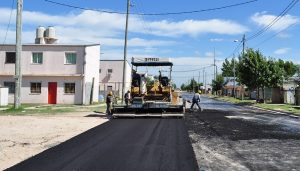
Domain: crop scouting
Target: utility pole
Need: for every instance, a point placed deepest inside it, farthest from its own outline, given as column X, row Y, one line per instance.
column 203, row 75
column 18, row 76
column 233, row 76
column 125, row 50
column 242, row 87
column 199, row 77
column 214, row 64
column 205, row 82
column 243, row 40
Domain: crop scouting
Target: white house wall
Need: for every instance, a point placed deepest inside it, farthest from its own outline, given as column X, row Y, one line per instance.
column 54, row 69
column 42, row 98
column 116, row 78
column 53, row 60
column 92, row 56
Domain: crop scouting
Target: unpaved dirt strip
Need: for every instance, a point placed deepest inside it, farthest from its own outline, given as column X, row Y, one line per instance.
column 121, row 144
column 22, row 137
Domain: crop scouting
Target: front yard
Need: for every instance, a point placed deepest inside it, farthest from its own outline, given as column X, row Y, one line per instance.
column 36, row 109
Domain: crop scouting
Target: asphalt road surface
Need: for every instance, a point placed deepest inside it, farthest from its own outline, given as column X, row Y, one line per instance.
column 222, row 137
column 121, row 144
column 230, row 137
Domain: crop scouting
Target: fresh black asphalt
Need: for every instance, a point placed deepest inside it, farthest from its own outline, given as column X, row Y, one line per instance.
column 121, row 144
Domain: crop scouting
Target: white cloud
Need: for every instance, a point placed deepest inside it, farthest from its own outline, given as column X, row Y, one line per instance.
column 264, row 19
column 216, row 40
column 284, row 35
column 196, row 27
column 209, row 54
column 281, row 51
column 91, row 26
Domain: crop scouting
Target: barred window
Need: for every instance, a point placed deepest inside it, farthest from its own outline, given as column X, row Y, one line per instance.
column 35, row 87
column 10, row 86
column 70, row 88
column 10, row 57
column 37, row 58
column 71, row 58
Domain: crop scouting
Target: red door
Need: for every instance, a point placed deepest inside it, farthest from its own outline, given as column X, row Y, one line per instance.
column 52, row 92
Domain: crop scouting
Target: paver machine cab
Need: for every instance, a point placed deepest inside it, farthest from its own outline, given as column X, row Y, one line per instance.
column 151, row 95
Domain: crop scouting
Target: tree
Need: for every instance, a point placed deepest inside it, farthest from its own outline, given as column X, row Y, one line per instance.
column 253, row 70
column 182, row 87
column 174, row 86
column 275, row 72
column 218, row 83
column 191, row 86
column 227, row 67
column 290, row 69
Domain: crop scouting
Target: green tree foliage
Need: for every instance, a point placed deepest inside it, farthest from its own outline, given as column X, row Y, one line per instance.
column 227, row 67
column 191, row 86
column 275, row 73
column 218, row 83
column 174, row 86
column 289, row 68
column 249, row 68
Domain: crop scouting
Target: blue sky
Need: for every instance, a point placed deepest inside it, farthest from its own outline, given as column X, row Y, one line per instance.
column 188, row 39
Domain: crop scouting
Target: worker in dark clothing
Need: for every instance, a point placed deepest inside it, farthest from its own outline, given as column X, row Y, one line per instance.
column 127, row 97
column 109, row 99
column 196, row 100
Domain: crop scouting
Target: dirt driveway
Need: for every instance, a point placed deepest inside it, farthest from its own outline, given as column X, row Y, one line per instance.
column 24, row 136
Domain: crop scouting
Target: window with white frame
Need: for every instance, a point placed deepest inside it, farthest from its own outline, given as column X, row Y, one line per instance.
column 70, row 88
column 71, row 58
column 109, row 71
column 35, row 87
column 10, row 86
column 37, row 58
column 10, row 57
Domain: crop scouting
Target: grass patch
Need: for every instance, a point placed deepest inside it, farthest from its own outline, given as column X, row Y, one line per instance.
column 278, row 107
column 235, row 100
column 34, row 109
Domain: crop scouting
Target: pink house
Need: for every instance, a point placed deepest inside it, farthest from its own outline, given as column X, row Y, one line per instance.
column 53, row 73
column 111, row 77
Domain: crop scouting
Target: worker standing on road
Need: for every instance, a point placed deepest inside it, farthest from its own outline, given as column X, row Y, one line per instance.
column 196, row 100
column 127, row 97
column 109, row 99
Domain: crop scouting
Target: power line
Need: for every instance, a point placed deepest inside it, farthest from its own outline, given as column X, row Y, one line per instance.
column 269, row 38
column 9, row 22
column 193, row 69
column 283, row 13
column 152, row 14
column 237, row 48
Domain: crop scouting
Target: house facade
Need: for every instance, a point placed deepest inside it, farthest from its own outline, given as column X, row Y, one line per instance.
column 232, row 86
column 111, row 77
column 53, row 73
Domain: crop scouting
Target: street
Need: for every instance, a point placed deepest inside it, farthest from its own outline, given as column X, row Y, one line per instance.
column 121, row 144
column 222, row 137
column 229, row 137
